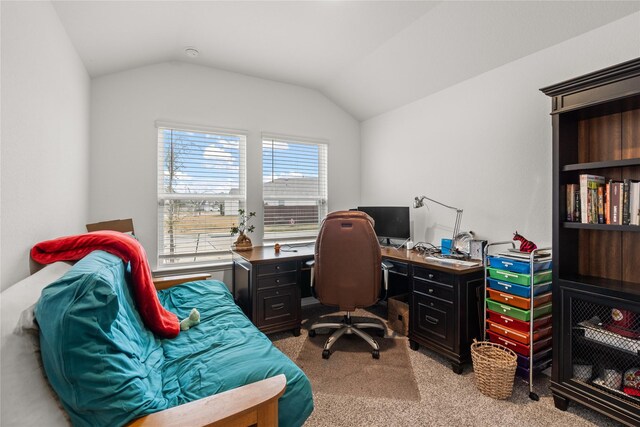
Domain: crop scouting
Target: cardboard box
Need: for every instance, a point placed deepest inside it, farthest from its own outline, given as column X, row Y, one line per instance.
column 398, row 313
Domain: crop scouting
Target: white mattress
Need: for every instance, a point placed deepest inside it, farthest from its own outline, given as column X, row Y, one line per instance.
column 27, row 398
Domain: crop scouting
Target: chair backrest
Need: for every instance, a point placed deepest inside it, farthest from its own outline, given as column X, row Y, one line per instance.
column 121, row 225
column 347, row 261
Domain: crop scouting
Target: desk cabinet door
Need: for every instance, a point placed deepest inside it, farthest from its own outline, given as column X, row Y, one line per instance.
column 278, row 305
column 433, row 319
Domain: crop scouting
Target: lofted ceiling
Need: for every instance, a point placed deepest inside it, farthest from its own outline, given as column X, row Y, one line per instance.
column 367, row 56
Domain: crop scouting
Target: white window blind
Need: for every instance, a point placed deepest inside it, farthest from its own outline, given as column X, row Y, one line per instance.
column 294, row 188
column 201, row 186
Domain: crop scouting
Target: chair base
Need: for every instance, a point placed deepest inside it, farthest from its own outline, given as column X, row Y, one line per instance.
column 348, row 327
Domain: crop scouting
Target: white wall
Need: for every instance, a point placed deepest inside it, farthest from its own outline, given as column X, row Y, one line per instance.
column 484, row 145
column 45, row 133
column 124, row 107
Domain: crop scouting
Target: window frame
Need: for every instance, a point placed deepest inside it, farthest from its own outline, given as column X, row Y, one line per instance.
column 323, row 178
column 162, row 262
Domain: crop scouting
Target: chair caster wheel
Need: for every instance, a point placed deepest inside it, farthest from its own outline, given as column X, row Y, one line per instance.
column 326, row 354
column 375, row 354
column 534, row 396
column 312, row 333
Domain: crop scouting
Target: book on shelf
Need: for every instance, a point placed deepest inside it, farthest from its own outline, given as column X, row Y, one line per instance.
column 625, row 202
column 589, row 197
column 629, row 203
column 607, row 202
column 595, row 202
column 573, row 203
column 616, row 202
column 634, row 203
column 601, row 204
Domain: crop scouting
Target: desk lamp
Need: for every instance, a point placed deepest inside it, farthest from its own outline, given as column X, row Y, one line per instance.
column 418, row 202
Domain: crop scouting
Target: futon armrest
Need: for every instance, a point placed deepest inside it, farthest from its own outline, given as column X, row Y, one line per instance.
column 252, row 404
column 164, row 282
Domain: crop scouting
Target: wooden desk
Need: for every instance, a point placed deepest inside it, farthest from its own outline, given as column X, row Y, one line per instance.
column 443, row 306
column 443, row 298
column 267, row 285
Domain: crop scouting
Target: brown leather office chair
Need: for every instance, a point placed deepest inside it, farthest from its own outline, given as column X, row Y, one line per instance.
column 346, row 274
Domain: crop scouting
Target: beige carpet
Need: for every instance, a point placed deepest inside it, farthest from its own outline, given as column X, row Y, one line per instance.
column 351, row 370
column 446, row 399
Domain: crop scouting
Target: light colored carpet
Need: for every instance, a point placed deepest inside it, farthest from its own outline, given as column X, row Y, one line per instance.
column 446, row 399
column 351, row 371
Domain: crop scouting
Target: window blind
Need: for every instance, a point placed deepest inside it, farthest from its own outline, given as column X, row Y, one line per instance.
column 294, row 188
column 201, row 186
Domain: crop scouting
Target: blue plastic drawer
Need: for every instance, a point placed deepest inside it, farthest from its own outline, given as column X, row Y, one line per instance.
column 519, row 290
column 517, row 266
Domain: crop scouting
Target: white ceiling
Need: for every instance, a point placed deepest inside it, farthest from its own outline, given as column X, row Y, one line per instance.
column 368, row 57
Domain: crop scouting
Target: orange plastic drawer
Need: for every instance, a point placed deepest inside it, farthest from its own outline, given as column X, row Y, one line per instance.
column 522, row 337
column 516, row 301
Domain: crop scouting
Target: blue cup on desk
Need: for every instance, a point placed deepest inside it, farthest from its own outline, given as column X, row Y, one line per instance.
column 445, row 246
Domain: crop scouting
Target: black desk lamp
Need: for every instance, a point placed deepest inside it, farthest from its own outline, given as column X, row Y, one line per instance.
column 418, row 202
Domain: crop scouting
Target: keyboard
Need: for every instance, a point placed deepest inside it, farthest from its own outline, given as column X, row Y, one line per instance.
column 452, row 261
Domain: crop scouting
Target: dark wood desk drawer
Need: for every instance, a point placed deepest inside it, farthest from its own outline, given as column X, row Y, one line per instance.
column 434, row 320
column 276, row 280
column 433, row 289
column 401, row 268
column 276, row 267
column 433, row 275
column 278, row 305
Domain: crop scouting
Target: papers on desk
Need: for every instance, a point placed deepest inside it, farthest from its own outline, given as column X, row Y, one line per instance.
column 516, row 254
column 452, row 261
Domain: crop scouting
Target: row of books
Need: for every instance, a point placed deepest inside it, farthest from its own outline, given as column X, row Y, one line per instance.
column 596, row 201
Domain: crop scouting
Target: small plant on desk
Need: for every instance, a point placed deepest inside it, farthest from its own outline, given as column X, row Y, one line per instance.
column 243, row 242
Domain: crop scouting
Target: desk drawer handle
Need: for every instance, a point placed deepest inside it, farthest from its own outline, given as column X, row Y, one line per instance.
column 431, row 320
column 430, row 275
column 277, row 267
column 277, row 280
column 430, row 290
column 278, row 306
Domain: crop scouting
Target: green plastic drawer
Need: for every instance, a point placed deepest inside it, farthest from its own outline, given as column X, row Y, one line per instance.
column 519, row 278
column 517, row 313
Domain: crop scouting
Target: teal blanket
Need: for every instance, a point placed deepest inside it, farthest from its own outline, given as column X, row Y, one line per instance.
column 108, row 369
column 225, row 351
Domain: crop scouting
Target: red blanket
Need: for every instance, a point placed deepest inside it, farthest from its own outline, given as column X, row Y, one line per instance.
column 72, row 248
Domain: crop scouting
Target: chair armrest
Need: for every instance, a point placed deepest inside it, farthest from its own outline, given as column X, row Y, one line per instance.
column 169, row 281
column 252, row 404
column 311, row 263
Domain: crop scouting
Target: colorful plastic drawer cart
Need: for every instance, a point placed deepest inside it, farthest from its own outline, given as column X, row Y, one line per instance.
column 518, row 310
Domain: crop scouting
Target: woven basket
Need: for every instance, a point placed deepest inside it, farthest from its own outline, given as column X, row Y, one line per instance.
column 495, row 368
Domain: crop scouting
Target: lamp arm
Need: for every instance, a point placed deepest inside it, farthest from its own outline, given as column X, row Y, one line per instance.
column 456, row 228
column 420, row 199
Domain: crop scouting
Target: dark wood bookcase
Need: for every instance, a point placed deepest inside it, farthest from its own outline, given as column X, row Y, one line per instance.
column 596, row 271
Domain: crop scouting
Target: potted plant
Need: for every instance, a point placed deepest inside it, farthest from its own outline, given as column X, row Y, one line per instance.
column 243, row 242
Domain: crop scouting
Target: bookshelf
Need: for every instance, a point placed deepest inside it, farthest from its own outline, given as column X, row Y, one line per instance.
column 596, row 274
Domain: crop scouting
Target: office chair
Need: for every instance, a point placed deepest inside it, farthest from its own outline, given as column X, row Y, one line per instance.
column 346, row 274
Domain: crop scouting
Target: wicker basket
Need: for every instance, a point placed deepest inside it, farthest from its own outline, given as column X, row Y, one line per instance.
column 495, row 368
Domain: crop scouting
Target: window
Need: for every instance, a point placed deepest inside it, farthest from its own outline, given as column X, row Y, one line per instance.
column 294, row 176
column 201, row 186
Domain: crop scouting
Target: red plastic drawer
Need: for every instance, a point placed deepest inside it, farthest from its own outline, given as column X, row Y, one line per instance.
column 516, row 301
column 517, row 324
column 520, row 336
column 519, row 347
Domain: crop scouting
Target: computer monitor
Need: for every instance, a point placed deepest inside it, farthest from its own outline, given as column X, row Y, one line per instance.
column 392, row 222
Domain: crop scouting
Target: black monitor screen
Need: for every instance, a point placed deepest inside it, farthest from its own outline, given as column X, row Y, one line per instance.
column 392, row 222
